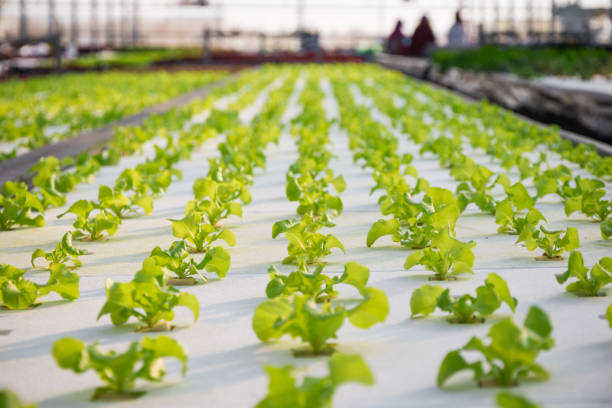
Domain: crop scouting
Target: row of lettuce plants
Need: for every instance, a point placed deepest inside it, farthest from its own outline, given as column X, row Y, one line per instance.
column 135, row 189
column 423, row 217
column 306, row 303
column 94, row 219
column 97, row 219
column 432, row 221
column 514, row 145
column 52, row 179
column 516, row 213
column 223, row 191
column 150, row 296
column 39, row 111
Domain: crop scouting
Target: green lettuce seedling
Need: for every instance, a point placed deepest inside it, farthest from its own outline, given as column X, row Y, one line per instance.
column 396, row 200
column 467, row 308
column 572, row 188
column 508, row 357
column 147, row 299
column 464, row 168
column 309, row 224
column 315, row 323
column 309, row 248
column 517, row 211
column 241, row 153
column 447, row 256
column 551, row 180
column 63, row 253
column 507, row 400
column 8, row 399
column 17, row 205
column 587, row 197
column 316, row 284
column 122, row 206
column 18, row 293
column 319, row 204
column 553, row 243
column 137, row 181
column 314, row 392
column 147, row 179
column 439, row 209
column 394, row 183
column 545, row 185
column 311, row 192
column 609, row 315
column 382, row 228
column 482, row 199
column 478, row 187
column 222, row 171
column 526, row 168
column 447, row 149
column 306, row 245
column 143, row 360
column 513, row 221
column 92, row 226
column 223, row 192
column 589, row 282
column 218, row 200
column 213, row 211
column 47, row 171
column 85, row 168
column 194, row 229
column 519, row 196
column 177, row 260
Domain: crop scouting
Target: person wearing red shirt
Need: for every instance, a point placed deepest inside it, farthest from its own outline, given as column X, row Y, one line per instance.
column 422, row 39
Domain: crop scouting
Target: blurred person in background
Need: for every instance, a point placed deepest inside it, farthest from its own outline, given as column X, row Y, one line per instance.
column 423, row 39
column 456, row 35
column 395, row 42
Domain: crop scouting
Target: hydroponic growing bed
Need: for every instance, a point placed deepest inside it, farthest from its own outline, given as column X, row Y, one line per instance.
column 327, row 218
column 39, row 111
